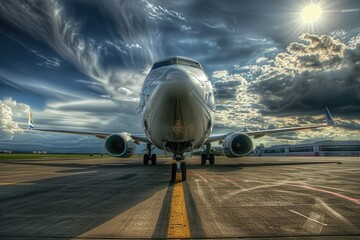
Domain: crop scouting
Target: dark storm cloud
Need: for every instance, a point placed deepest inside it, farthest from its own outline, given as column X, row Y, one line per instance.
column 348, row 124
column 226, row 89
column 218, row 34
column 322, row 72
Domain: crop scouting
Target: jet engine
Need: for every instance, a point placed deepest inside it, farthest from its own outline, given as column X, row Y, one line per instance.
column 119, row 145
column 237, row 145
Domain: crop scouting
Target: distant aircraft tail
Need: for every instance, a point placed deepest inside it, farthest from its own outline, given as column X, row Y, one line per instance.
column 329, row 119
column 31, row 121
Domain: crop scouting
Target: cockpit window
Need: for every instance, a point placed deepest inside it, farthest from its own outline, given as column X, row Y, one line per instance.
column 164, row 63
column 179, row 61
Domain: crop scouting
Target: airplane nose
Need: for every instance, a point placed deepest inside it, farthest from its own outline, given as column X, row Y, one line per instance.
column 178, row 105
column 177, row 97
column 179, row 79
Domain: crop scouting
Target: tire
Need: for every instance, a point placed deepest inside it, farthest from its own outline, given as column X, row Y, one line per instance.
column 183, row 171
column 212, row 159
column 173, row 172
column 146, row 159
column 153, row 159
column 203, row 159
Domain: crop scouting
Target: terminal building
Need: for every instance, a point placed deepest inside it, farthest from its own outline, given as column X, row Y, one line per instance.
column 322, row 148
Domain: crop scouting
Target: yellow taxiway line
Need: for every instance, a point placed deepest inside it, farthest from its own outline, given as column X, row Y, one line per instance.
column 178, row 223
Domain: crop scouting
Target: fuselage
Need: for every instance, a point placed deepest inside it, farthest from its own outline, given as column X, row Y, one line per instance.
column 177, row 105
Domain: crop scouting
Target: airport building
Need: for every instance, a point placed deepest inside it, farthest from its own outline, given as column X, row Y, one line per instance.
column 322, row 148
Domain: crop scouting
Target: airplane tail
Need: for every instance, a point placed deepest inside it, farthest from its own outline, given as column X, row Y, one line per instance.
column 329, row 119
column 31, row 121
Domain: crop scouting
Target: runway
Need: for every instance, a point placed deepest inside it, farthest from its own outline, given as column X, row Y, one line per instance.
column 251, row 197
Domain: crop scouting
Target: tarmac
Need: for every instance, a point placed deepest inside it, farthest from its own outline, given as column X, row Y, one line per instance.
column 250, row 197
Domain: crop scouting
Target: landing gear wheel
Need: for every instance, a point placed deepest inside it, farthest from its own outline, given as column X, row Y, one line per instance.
column 203, row 159
column 153, row 159
column 173, row 172
column 183, row 171
column 146, row 159
column 211, row 159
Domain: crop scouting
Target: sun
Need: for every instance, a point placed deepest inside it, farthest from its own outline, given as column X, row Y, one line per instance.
column 311, row 13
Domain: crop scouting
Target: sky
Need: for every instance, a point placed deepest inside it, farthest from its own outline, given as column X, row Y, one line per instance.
column 79, row 65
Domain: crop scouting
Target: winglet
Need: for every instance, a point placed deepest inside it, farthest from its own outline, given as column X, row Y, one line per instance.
column 329, row 119
column 31, row 121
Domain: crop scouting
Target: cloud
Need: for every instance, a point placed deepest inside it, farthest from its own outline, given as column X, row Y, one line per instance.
column 139, row 33
column 228, row 85
column 38, row 86
column 315, row 72
column 292, row 89
column 48, row 23
column 10, row 111
column 159, row 12
column 262, row 75
column 92, row 115
column 350, row 10
column 49, row 62
column 51, row 23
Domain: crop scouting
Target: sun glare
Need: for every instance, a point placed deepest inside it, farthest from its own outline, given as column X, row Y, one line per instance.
column 311, row 13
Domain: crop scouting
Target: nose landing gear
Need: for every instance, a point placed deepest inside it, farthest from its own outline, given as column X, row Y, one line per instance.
column 179, row 166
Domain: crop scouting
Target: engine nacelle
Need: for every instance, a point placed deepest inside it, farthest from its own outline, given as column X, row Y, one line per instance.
column 237, row 145
column 119, row 145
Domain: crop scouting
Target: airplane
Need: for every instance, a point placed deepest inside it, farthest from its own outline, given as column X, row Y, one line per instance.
column 177, row 108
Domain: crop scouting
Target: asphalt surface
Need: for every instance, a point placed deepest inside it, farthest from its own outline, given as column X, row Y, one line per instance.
column 307, row 197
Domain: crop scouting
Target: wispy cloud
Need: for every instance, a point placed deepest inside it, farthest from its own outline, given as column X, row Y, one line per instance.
column 38, row 86
column 49, row 62
column 52, row 25
column 159, row 12
column 350, row 10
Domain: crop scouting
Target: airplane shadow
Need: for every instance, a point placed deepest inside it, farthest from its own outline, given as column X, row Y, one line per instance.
column 69, row 206
column 239, row 166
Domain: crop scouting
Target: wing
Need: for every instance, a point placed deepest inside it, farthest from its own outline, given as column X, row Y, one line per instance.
column 103, row 135
column 257, row 134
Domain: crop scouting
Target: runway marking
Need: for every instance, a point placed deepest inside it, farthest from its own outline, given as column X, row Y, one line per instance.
column 236, row 192
column 335, row 213
column 356, row 201
column 178, row 222
column 311, row 219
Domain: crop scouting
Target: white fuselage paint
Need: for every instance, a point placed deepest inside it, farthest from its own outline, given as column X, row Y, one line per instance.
column 177, row 105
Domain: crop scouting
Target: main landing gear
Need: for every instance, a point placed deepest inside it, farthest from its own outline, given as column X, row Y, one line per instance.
column 207, row 155
column 148, row 156
column 179, row 166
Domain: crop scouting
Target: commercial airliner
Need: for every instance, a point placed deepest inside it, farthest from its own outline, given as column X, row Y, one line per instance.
column 177, row 108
